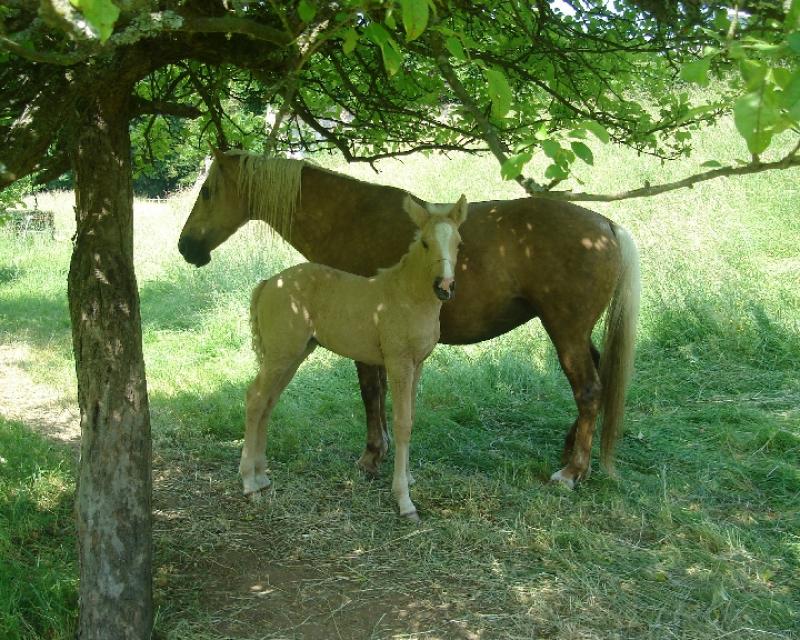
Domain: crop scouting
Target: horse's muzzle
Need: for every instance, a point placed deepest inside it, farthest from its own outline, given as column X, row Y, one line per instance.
column 444, row 294
column 194, row 252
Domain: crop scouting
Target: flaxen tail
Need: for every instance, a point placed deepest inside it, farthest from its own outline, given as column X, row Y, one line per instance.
column 255, row 331
column 616, row 361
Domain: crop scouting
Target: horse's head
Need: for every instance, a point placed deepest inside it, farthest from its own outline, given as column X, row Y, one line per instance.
column 438, row 242
column 217, row 213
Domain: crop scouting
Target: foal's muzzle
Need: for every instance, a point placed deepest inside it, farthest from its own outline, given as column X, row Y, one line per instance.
column 193, row 251
column 444, row 294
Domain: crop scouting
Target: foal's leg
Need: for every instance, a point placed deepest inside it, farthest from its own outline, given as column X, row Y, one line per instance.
column 417, row 374
column 262, row 396
column 401, row 383
column 577, row 358
column 372, row 381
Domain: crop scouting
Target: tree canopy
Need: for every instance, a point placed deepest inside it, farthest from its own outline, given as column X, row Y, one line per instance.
column 378, row 79
column 369, row 79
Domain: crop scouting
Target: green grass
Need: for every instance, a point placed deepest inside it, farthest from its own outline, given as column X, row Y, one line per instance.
column 38, row 573
column 699, row 538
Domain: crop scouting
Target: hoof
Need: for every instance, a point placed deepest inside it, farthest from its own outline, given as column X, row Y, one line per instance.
column 368, row 465
column 256, row 497
column 561, row 478
column 256, row 485
column 411, row 516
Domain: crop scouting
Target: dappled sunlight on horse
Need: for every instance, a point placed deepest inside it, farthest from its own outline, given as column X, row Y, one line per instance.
column 389, row 320
column 523, row 259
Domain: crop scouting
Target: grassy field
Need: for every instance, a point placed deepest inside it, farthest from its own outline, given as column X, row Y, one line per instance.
column 699, row 538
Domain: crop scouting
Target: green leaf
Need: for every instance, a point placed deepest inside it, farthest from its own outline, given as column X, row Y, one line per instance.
column 753, row 73
column 455, row 48
column 306, row 11
column 793, row 40
column 790, row 96
column 582, row 151
column 755, row 116
column 350, row 41
column 711, row 164
column 377, row 33
column 597, row 129
column 100, row 14
column 392, row 59
column 792, row 20
column 513, row 166
column 696, row 71
column 555, row 172
column 499, row 92
column 415, row 17
column 551, row 148
column 390, row 50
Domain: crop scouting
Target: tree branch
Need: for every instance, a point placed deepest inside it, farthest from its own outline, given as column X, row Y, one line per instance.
column 790, row 160
column 489, row 131
column 140, row 106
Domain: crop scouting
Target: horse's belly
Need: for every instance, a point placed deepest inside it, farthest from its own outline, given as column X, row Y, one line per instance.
column 474, row 320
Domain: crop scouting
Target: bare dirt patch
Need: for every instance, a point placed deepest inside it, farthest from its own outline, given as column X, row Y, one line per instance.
column 226, row 568
column 43, row 408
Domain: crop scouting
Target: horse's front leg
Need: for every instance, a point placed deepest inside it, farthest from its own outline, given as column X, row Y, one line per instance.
column 401, row 383
column 372, row 381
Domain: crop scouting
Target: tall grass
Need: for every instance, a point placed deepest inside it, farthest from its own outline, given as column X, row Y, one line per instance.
column 698, row 539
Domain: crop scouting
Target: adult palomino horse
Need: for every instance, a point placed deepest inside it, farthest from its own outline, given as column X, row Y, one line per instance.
column 522, row 259
column 390, row 320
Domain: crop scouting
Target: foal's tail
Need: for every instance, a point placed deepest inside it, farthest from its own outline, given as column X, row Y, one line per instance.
column 616, row 362
column 255, row 332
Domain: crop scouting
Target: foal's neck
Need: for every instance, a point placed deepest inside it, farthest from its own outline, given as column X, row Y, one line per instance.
column 412, row 281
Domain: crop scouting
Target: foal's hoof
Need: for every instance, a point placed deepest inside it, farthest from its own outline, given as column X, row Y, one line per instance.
column 256, row 497
column 412, row 516
column 256, row 485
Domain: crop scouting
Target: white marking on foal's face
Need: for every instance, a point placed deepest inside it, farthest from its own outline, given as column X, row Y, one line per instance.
column 443, row 236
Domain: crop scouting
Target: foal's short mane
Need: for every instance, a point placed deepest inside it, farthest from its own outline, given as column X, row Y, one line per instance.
column 272, row 186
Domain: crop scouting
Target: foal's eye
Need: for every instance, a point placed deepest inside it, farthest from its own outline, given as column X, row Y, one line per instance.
column 424, row 244
column 205, row 192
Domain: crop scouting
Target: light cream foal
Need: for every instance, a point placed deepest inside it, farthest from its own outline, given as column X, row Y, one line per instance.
column 391, row 320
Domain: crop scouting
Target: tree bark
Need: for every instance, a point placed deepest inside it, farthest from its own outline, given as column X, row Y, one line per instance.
column 114, row 484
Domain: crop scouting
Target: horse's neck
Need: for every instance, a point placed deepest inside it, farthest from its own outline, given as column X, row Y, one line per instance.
column 347, row 223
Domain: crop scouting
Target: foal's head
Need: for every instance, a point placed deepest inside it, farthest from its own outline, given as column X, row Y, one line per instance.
column 217, row 213
column 437, row 243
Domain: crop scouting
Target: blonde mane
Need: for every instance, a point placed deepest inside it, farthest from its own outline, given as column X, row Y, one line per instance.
column 272, row 186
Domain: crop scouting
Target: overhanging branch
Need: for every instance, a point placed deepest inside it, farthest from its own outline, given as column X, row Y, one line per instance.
column 140, row 106
column 790, row 160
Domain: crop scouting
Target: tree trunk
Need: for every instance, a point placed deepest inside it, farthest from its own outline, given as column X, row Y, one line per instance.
column 114, row 484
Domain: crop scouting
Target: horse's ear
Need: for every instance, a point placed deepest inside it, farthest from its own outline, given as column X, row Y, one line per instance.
column 416, row 211
column 459, row 212
column 220, row 157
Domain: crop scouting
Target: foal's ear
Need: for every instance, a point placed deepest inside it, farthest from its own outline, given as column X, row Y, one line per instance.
column 418, row 213
column 459, row 212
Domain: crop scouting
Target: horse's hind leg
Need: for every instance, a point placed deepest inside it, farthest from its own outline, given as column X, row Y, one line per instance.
column 578, row 357
column 372, row 381
column 569, row 441
column 262, row 396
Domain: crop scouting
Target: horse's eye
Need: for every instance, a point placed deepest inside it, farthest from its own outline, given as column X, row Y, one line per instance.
column 205, row 192
column 424, row 244
column 460, row 246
